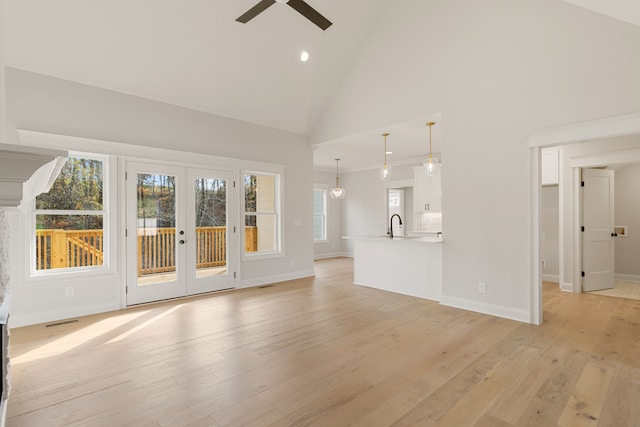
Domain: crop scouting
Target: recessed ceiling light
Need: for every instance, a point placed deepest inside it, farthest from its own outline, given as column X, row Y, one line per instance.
column 304, row 56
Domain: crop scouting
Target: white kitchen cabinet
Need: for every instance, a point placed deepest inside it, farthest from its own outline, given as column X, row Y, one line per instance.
column 427, row 190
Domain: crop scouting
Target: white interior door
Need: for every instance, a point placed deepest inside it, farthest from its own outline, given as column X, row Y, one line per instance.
column 598, row 255
column 180, row 232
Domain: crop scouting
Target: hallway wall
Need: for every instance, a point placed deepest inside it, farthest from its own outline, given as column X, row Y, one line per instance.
column 627, row 212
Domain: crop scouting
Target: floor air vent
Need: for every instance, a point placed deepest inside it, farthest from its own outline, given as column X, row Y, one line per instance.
column 66, row 322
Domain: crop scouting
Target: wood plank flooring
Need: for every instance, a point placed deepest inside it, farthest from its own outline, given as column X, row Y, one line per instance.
column 324, row 352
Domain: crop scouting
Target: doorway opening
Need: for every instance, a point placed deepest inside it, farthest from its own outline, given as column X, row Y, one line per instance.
column 609, row 206
column 614, row 140
column 399, row 200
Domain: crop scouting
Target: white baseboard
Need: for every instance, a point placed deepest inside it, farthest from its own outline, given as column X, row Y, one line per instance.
column 566, row 287
column 18, row 319
column 551, row 278
column 484, row 308
column 628, row 277
column 332, row 255
column 260, row 281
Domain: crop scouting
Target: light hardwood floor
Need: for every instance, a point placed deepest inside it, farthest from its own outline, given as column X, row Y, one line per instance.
column 325, row 352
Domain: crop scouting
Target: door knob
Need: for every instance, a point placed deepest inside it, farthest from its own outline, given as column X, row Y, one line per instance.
column 182, row 242
column 614, row 234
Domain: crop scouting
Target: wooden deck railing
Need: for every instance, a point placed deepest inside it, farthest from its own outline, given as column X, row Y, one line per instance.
column 82, row 248
column 62, row 248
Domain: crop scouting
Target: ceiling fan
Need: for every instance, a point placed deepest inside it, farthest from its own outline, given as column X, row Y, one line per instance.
column 299, row 5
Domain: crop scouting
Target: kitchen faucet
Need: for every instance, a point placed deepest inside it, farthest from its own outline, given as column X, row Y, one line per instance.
column 391, row 224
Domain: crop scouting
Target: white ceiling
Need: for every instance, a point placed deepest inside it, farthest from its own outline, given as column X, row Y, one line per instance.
column 625, row 10
column 193, row 53
column 408, row 141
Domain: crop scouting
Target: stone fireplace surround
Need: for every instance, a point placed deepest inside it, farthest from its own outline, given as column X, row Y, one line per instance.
column 19, row 165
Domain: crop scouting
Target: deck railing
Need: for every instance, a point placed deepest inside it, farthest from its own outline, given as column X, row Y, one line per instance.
column 156, row 251
column 63, row 248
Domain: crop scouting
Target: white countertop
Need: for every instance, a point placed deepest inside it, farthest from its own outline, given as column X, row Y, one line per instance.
column 423, row 239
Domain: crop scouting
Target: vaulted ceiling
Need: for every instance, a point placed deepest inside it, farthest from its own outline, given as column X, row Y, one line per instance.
column 193, row 53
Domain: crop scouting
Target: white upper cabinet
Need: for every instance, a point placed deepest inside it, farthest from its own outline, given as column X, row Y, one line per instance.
column 427, row 190
column 550, row 166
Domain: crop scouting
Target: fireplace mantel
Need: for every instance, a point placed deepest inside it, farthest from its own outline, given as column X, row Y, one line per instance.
column 18, row 164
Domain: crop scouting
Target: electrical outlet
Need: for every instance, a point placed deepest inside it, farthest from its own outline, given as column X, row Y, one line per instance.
column 69, row 291
column 482, row 287
column 544, row 264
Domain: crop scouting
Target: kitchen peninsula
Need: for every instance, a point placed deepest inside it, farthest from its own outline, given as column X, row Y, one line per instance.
column 405, row 265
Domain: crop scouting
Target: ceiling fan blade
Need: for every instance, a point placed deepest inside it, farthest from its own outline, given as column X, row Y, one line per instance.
column 255, row 11
column 310, row 13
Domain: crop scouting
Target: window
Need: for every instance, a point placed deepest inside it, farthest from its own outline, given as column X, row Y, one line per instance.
column 261, row 213
column 319, row 213
column 70, row 218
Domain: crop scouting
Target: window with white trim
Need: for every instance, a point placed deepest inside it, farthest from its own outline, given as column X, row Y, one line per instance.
column 319, row 213
column 262, row 229
column 71, row 218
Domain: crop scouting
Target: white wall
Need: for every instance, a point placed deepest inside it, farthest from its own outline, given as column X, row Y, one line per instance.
column 333, row 246
column 365, row 207
column 2, row 72
column 627, row 212
column 4, row 227
column 496, row 70
column 46, row 104
column 549, row 224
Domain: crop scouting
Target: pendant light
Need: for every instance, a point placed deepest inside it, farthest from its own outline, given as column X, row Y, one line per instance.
column 431, row 161
column 337, row 192
column 385, row 172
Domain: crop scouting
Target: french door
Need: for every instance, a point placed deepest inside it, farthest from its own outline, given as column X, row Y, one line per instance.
column 180, row 231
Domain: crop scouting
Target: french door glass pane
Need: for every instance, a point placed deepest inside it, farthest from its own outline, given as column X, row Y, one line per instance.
column 156, row 228
column 211, row 226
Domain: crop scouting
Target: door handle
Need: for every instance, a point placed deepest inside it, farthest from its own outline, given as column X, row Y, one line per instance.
column 182, row 242
column 614, row 234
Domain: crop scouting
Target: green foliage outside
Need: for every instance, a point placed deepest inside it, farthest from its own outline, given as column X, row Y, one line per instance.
column 157, row 200
column 79, row 186
column 250, row 193
column 211, row 202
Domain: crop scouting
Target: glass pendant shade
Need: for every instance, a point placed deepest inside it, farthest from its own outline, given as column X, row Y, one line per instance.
column 337, row 192
column 431, row 163
column 385, row 171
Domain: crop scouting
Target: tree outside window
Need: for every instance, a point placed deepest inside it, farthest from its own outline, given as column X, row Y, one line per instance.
column 69, row 219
